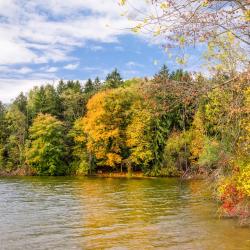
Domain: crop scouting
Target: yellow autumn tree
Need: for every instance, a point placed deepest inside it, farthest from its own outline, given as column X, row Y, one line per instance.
column 198, row 137
column 81, row 164
column 243, row 147
column 108, row 115
column 139, row 135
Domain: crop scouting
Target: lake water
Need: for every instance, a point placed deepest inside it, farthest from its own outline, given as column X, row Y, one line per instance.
column 104, row 213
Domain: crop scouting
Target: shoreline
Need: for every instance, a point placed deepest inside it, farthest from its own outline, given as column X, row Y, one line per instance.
column 134, row 175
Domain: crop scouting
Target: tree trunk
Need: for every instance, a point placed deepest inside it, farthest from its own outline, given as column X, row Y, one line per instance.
column 90, row 164
column 129, row 167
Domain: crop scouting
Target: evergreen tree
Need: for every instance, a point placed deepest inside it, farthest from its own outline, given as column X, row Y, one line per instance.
column 163, row 74
column 180, row 75
column 43, row 99
column 21, row 103
column 97, row 83
column 114, row 79
column 60, row 87
column 89, row 86
column 72, row 104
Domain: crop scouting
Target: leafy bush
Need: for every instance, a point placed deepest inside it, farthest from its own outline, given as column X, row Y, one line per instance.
column 230, row 196
column 210, row 154
column 197, row 137
column 177, row 153
column 243, row 178
column 78, row 167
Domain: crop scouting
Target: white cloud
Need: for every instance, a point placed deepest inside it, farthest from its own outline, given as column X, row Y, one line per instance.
column 87, row 68
column 47, row 69
column 51, row 69
column 48, row 31
column 15, row 71
column 96, row 48
column 131, row 64
column 12, row 50
column 42, row 31
column 71, row 66
column 130, row 73
column 10, row 88
column 24, row 70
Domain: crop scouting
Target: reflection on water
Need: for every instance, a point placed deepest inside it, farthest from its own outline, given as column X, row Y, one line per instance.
column 96, row 213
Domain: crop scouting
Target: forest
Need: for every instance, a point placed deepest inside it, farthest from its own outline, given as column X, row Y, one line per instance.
column 175, row 124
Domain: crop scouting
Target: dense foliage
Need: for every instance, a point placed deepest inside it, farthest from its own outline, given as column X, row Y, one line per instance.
column 46, row 150
column 175, row 124
column 208, row 125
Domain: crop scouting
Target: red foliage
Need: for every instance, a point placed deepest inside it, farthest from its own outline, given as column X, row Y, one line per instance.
column 230, row 199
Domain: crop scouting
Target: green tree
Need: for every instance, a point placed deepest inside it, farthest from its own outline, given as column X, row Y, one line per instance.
column 89, row 86
column 60, row 87
column 72, row 101
column 176, row 154
column 2, row 123
column 21, row 103
column 83, row 162
column 3, row 135
column 43, row 99
column 113, row 79
column 17, row 134
column 180, row 75
column 97, row 83
column 46, row 150
column 163, row 74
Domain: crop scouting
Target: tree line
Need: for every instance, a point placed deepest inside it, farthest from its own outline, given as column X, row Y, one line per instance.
column 174, row 124
column 34, row 124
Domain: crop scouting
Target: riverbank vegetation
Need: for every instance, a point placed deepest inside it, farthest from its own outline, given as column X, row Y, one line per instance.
column 175, row 124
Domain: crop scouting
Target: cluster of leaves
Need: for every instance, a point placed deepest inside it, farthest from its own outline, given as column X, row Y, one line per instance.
column 46, row 149
column 127, row 127
column 188, row 22
column 220, row 142
column 76, row 129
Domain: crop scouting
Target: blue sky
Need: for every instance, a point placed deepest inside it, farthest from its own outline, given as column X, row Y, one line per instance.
column 43, row 41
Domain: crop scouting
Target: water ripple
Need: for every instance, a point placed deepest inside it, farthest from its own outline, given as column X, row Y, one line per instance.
column 91, row 213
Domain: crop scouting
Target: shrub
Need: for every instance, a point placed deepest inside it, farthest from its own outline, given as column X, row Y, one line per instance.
column 210, row 155
column 177, row 153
